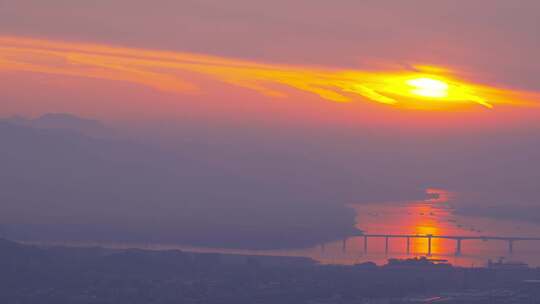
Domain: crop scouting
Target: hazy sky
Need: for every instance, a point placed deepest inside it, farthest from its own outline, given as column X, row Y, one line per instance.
column 492, row 42
column 264, row 104
column 330, row 71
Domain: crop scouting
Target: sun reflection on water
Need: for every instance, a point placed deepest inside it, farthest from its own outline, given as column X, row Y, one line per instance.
column 436, row 216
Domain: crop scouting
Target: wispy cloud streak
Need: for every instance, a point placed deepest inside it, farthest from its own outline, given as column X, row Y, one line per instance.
column 168, row 71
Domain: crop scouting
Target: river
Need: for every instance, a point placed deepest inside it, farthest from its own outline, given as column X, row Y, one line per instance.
column 435, row 216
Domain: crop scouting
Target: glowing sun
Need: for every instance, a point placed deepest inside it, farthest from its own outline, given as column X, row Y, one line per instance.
column 428, row 87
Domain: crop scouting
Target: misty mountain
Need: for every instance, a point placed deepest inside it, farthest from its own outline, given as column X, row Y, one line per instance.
column 215, row 190
column 65, row 122
column 59, row 185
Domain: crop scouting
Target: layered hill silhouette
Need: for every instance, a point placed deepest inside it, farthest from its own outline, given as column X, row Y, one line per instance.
column 65, row 122
column 60, row 184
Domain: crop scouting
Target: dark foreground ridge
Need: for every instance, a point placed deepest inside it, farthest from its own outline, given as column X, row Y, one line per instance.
column 58, row 275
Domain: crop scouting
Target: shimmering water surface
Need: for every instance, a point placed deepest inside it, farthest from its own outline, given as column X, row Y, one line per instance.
column 433, row 216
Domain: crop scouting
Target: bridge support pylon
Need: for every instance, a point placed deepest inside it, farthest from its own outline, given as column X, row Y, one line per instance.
column 365, row 244
column 386, row 245
column 510, row 246
column 408, row 245
column 458, row 247
column 429, row 244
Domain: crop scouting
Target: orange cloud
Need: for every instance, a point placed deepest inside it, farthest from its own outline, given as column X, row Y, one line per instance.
column 423, row 87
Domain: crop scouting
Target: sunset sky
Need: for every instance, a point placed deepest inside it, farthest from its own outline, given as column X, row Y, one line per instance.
column 421, row 90
column 304, row 62
column 217, row 116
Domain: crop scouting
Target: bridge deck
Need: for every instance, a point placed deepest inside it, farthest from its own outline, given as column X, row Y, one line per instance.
column 454, row 237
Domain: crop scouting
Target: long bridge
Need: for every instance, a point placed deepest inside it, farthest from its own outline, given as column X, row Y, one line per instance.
column 430, row 237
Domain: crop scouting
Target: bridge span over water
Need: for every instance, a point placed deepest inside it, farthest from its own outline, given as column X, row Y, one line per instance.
column 430, row 237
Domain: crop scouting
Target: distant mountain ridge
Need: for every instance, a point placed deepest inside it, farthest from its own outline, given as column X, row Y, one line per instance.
column 63, row 121
column 69, row 186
